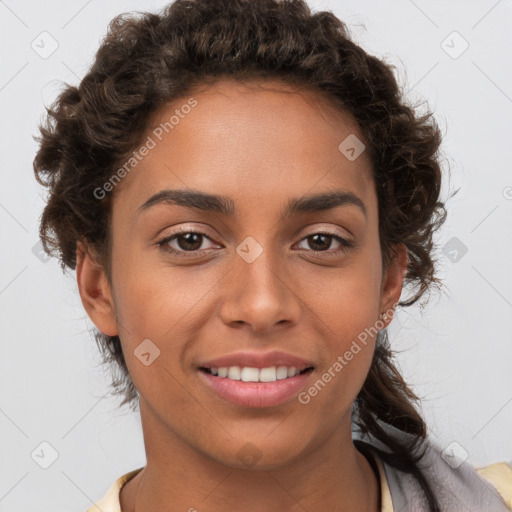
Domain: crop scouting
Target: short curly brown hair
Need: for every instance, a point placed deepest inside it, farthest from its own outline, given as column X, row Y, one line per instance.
column 148, row 59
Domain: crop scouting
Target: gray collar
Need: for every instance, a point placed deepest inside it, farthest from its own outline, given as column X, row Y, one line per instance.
column 457, row 489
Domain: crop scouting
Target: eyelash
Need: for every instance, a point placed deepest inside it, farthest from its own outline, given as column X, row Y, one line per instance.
column 163, row 244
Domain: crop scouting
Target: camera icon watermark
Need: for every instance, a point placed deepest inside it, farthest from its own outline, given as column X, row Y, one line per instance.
column 146, row 352
column 249, row 454
column 44, row 455
column 351, row 147
column 454, row 45
column 454, row 455
column 454, row 249
column 249, row 249
column 45, row 45
column 39, row 252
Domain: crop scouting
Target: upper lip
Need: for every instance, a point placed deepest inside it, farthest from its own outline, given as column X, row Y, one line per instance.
column 258, row 360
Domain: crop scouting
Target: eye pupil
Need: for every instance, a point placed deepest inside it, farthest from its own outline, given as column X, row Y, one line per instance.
column 190, row 238
column 315, row 240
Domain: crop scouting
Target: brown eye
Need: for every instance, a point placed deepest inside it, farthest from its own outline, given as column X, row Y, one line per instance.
column 184, row 242
column 189, row 241
column 321, row 242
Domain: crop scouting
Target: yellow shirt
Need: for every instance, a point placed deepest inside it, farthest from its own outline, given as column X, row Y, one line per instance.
column 498, row 474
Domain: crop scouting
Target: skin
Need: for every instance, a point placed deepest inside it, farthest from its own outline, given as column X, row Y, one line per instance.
column 260, row 144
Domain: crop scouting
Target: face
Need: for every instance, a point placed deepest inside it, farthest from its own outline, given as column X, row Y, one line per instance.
column 270, row 287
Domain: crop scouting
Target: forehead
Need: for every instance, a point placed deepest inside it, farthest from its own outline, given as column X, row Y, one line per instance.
column 260, row 137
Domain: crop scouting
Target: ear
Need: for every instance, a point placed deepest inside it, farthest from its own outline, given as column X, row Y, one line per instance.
column 392, row 282
column 95, row 291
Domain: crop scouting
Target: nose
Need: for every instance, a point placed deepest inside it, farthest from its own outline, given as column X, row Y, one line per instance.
column 260, row 294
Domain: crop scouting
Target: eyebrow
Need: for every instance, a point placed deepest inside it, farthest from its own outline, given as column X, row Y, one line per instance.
column 224, row 205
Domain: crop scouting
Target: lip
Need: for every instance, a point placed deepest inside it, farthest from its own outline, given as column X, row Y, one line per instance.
column 258, row 360
column 256, row 394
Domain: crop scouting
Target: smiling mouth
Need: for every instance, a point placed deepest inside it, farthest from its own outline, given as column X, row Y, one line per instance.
column 251, row 374
column 248, row 386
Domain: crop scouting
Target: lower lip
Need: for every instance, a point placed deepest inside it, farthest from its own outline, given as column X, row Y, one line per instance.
column 256, row 394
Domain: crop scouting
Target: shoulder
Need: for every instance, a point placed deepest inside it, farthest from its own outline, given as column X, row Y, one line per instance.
column 110, row 501
column 456, row 488
column 499, row 475
column 456, row 484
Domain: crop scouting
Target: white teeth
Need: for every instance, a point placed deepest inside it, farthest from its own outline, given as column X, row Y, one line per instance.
column 292, row 371
column 268, row 374
column 282, row 372
column 249, row 374
column 234, row 373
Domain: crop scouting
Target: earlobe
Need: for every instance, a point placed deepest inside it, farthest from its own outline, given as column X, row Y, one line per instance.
column 95, row 291
column 392, row 283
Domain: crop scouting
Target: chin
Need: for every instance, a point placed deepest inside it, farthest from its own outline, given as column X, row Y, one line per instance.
column 260, row 454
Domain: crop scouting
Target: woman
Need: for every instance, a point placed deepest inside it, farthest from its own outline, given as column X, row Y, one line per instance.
column 244, row 194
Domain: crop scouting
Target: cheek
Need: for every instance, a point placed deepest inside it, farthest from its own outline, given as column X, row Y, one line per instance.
column 349, row 307
column 348, row 299
column 158, row 309
column 151, row 297
column 338, row 382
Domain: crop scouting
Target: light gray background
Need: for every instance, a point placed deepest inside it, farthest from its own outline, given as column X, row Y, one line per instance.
column 457, row 352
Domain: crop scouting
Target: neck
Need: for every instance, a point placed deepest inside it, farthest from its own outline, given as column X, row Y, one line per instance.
column 334, row 476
